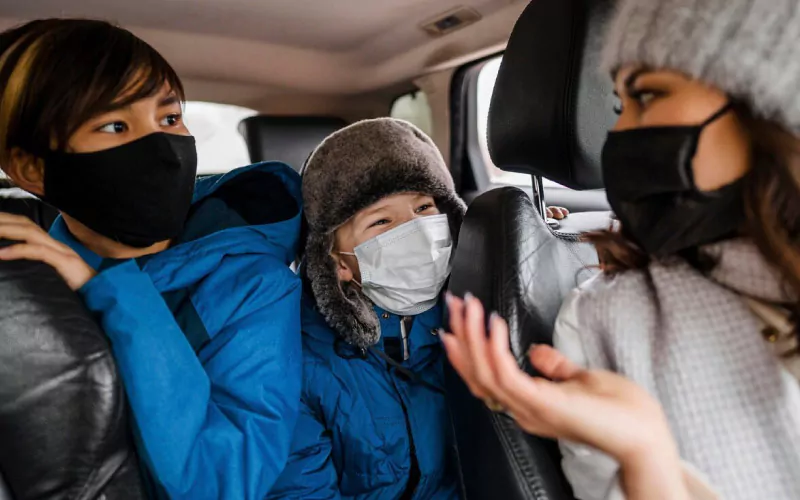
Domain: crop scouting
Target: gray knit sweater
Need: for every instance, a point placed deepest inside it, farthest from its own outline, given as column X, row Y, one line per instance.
column 693, row 343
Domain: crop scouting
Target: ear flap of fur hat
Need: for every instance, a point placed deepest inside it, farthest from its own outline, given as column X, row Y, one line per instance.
column 349, row 171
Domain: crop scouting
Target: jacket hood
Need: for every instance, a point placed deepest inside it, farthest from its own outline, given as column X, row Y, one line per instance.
column 253, row 209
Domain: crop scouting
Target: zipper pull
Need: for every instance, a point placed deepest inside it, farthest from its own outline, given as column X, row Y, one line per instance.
column 404, row 335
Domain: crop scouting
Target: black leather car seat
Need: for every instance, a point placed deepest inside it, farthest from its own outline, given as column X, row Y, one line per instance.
column 288, row 139
column 64, row 430
column 549, row 115
column 16, row 201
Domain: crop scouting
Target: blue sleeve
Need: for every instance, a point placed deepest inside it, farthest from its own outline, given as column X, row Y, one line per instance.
column 217, row 429
column 309, row 473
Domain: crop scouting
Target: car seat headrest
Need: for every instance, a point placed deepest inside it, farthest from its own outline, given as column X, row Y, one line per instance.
column 288, row 139
column 551, row 107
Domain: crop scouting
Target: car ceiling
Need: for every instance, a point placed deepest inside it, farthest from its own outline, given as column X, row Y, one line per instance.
column 311, row 47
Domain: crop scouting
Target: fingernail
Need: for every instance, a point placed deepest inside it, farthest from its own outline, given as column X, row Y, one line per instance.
column 443, row 333
column 468, row 297
column 448, row 298
column 493, row 317
column 532, row 348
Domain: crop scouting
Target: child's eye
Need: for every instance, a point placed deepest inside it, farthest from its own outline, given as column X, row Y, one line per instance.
column 424, row 208
column 113, row 128
column 171, row 120
column 381, row 222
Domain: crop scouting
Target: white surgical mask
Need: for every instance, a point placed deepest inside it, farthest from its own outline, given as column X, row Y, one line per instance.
column 404, row 269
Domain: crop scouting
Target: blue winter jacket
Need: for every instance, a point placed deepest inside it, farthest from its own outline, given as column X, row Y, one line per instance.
column 366, row 430
column 214, row 415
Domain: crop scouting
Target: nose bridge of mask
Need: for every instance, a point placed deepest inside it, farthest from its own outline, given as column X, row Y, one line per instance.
column 172, row 150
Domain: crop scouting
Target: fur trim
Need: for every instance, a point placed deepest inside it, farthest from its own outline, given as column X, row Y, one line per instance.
column 352, row 169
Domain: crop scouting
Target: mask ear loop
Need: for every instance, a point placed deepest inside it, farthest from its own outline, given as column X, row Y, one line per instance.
column 689, row 171
column 354, row 280
column 719, row 114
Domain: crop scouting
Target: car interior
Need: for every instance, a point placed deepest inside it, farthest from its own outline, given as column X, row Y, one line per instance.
column 508, row 90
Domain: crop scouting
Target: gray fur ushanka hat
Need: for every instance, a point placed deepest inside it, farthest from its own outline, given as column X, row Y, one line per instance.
column 350, row 170
column 747, row 48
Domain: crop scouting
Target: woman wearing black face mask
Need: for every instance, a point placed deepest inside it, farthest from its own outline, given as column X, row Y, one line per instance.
column 191, row 283
column 697, row 304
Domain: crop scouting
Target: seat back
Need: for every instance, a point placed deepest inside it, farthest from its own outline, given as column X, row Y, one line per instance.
column 63, row 416
column 288, row 139
column 547, row 118
column 509, row 258
column 16, row 201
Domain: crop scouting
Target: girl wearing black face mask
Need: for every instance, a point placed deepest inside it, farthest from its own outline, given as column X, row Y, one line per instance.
column 697, row 304
column 190, row 282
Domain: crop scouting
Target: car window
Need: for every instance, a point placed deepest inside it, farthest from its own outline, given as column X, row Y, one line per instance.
column 486, row 82
column 220, row 147
column 414, row 108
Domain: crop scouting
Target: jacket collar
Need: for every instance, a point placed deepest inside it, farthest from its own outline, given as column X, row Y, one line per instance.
column 424, row 330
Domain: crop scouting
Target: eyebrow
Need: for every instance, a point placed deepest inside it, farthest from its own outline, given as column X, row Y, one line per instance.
column 373, row 211
column 169, row 100
column 630, row 81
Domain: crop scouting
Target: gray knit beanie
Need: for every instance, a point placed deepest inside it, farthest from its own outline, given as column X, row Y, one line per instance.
column 748, row 48
column 350, row 170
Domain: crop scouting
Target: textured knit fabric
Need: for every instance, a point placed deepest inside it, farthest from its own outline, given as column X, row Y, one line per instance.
column 352, row 169
column 748, row 48
column 694, row 343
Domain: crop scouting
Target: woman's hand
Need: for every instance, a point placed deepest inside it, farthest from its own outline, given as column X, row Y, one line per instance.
column 557, row 213
column 597, row 408
column 36, row 244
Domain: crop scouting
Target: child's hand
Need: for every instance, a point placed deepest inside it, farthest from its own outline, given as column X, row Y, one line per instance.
column 557, row 213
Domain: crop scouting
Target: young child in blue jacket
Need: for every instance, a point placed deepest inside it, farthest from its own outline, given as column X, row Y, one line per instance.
column 382, row 218
column 191, row 283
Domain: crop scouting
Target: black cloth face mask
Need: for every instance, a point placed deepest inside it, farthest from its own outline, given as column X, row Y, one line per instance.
column 138, row 193
column 650, row 185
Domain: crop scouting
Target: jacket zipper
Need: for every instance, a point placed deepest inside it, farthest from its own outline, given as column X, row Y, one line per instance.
column 414, row 473
column 404, row 336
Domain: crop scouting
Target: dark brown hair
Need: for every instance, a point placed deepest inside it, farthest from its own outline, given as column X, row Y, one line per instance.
column 772, row 206
column 55, row 74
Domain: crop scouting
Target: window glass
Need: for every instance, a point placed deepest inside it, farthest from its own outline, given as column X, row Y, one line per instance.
column 486, row 82
column 414, row 108
column 220, row 147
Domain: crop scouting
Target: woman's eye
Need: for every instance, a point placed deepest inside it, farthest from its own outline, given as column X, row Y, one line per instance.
column 113, row 128
column 171, row 120
column 424, row 208
column 643, row 97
